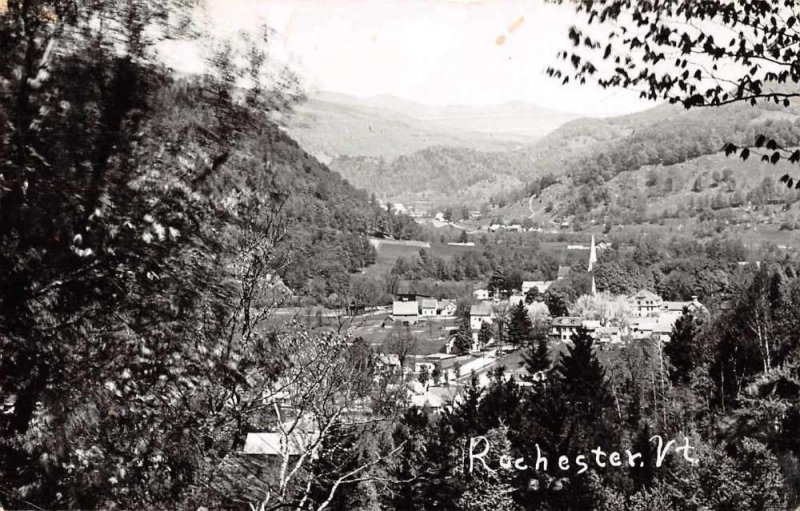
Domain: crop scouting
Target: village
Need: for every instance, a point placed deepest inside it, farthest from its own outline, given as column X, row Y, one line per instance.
column 435, row 380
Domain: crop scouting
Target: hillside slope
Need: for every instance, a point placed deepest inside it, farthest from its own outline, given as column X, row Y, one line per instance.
column 330, row 125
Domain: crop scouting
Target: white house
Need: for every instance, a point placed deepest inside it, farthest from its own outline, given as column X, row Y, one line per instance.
column 447, row 308
column 674, row 310
column 646, row 303
column 479, row 314
column 563, row 328
column 481, row 294
column 540, row 285
column 278, row 444
column 428, row 307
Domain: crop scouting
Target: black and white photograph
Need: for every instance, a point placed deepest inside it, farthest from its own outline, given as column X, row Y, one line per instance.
column 400, row 255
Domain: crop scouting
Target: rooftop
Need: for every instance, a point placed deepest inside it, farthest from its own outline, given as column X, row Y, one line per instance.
column 481, row 309
column 567, row 321
column 404, row 308
column 646, row 294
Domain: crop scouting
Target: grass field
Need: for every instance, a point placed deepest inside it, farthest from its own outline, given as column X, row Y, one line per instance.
column 388, row 254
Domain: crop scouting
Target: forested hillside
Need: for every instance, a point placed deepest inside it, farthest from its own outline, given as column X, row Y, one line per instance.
column 585, row 156
column 143, row 218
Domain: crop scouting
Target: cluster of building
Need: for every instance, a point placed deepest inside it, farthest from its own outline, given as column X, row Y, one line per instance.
column 409, row 308
column 649, row 317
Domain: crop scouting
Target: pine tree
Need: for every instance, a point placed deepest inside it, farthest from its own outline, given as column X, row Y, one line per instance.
column 463, row 338
column 485, row 334
column 519, row 325
column 537, row 358
column 681, row 348
column 497, row 281
column 582, row 377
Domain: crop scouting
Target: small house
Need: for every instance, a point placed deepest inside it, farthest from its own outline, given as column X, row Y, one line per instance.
column 563, row 328
column 428, row 307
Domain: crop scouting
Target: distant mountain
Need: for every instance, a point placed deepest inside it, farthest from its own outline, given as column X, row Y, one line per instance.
column 329, row 125
column 664, row 164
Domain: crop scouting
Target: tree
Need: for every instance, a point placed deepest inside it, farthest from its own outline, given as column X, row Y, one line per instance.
column 402, row 342
column 512, row 282
column 556, row 304
column 424, row 375
column 463, row 238
column 582, row 376
column 681, row 348
column 519, row 325
column 485, row 333
column 436, row 374
column 635, row 39
column 497, row 282
column 536, row 357
column 463, row 337
column 531, row 295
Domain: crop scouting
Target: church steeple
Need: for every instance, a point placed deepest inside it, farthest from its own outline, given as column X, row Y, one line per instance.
column 592, row 260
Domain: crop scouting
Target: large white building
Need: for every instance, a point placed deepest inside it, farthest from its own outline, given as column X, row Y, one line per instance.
column 479, row 314
column 646, row 303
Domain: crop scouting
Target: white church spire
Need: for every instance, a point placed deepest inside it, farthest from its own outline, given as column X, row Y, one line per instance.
column 592, row 255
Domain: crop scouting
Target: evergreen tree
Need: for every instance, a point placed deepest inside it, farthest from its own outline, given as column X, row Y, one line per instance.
column 681, row 348
column 537, row 358
column 519, row 325
column 582, row 377
column 497, row 281
column 463, row 338
column 485, row 334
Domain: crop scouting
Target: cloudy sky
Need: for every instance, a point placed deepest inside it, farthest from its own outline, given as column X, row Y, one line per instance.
column 431, row 51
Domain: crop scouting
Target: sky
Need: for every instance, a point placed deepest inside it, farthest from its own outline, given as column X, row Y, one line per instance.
column 437, row 52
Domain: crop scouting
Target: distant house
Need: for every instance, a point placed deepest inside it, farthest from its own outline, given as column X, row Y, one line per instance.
column 608, row 334
column 405, row 311
column 540, row 285
column 516, row 299
column 563, row 272
column 479, row 314
column 424, row 366
column 646, row 303
column 564, row 327
column 277, row 444
column 447, row 307
column 649, row 327
column 591, row 325
column 304, row 433
column 674, row 310
column 390, row 361
column 428, row 307
column 481, row 294
column 514, row 228
column 436, row 399
column 399, row 208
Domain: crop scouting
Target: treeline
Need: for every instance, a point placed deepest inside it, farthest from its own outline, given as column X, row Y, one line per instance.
column 526, row 261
